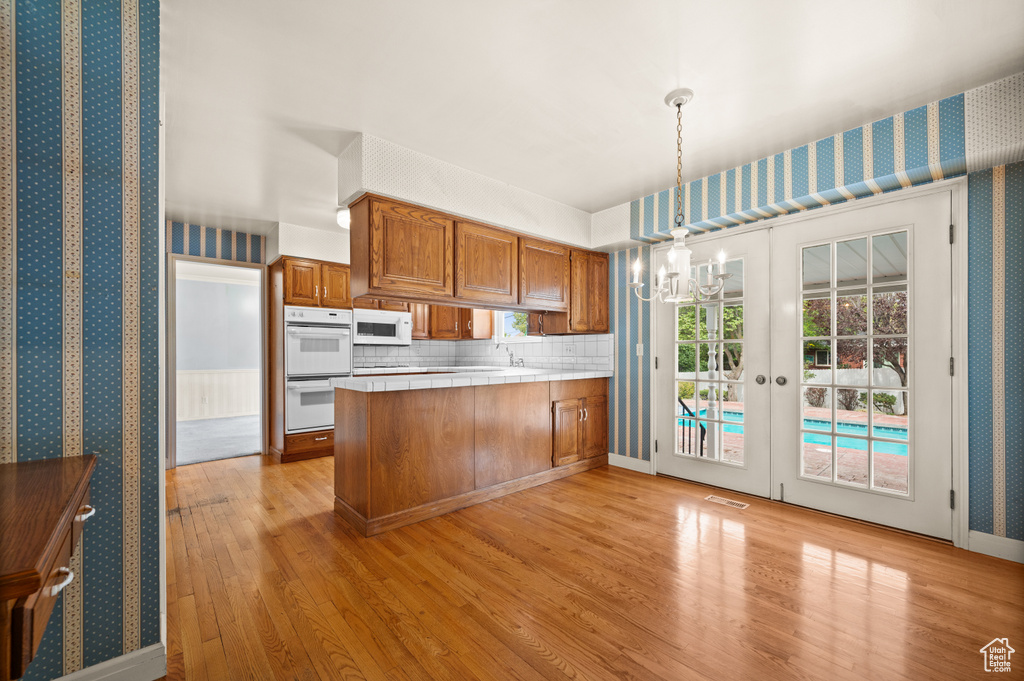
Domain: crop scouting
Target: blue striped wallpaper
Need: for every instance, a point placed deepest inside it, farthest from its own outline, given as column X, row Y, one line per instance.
column 79, row 193
column 916, row 147
column 207, row 242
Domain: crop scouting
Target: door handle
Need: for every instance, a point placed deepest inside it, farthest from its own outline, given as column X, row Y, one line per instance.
column 760, row 379
column 781, row 380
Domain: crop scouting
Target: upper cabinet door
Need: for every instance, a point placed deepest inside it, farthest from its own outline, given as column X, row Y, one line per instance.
column 420, row 320
column 335, row 286
column 364, row 303
column 579, row 298
column 486, row 264
column 411, row 251
column 394, row 305
column 476, row 324
column 444, row 322
column 597, row 285
column 301, row 282
column 543, row 275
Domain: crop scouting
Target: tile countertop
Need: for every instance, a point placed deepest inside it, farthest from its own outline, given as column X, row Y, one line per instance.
column 454, row 377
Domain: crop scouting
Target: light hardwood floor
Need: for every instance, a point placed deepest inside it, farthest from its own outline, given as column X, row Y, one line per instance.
column 607, row 574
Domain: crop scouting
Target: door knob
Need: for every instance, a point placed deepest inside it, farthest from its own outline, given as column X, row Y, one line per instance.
column 760, row 379
column 781, row 380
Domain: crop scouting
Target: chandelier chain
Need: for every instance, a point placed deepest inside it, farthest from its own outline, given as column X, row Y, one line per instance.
column 679, row 165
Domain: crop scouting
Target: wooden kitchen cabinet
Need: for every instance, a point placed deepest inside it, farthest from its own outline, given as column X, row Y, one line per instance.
column 486, row 264
column 476, row 324
column 420, row 320
column 444, row 322
column 543, row 275
column 313, row 283
column 401, row 250
column 364, row 303
column 588, row 296
column 579, row 420
column 335, row 280
column 301, row 282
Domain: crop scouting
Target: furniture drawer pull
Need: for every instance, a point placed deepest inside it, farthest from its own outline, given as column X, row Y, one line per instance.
column 586, row 415
column 580, row 413
column 85, row 513
column 69, row 576
column 318, row 439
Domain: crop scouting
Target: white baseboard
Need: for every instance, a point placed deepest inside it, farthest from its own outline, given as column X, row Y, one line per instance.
column 1000, row 547
column 629, row 462
column 145, row 664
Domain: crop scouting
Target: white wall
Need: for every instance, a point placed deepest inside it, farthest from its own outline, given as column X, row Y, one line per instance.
column 217, row 394
column 308, row 242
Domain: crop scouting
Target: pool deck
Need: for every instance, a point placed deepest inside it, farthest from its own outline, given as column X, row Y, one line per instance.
column 891, row 471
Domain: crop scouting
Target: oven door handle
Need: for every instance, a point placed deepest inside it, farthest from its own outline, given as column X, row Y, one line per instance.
column 305, row 388
column 318, row 333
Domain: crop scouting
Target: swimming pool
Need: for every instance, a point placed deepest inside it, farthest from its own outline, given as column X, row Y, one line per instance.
column 734, row 421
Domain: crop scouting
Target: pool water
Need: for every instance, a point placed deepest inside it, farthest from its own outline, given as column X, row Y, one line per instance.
column 843, row 427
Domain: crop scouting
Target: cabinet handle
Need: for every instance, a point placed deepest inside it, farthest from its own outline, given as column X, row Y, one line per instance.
column 325, row 291
column 469, row 325
column 69, row 576
column 580, row 413
column 85, row 513
column 318, row 439
column 586, row 414
column 456, row 326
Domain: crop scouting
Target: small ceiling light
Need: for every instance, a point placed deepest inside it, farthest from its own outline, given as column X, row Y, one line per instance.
column 667, row 284
column 344, row 218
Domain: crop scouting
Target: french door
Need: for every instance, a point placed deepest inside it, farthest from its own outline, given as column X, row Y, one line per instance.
column 713, row 415
column 820, row 375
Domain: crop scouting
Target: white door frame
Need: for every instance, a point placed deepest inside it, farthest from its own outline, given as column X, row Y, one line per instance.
column 173, row 259
column 961, row 421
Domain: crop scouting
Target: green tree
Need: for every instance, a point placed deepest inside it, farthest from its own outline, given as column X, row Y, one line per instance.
column 520, row 320
column 729, row 355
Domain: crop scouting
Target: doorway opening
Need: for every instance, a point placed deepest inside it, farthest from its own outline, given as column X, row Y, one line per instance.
column 216, row 387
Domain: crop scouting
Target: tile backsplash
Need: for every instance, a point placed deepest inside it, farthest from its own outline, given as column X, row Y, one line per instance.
column 585, row 353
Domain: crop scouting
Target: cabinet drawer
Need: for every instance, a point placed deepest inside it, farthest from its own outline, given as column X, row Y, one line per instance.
column 30, row 614
column 319, row 439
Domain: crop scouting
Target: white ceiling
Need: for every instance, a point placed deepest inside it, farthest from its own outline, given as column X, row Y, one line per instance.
column 560, row 98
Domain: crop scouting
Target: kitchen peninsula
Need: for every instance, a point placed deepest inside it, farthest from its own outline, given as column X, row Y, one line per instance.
column 409, row 447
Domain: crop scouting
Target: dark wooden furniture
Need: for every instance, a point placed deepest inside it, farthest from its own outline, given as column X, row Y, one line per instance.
column 588, row 296
column 579, row 420
column 43, row 506
column 313, row 283
column 401, row 250
column 335, row 279
column 404, row 456
column 486, row 264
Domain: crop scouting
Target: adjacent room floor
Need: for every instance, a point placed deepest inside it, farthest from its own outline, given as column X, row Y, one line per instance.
column 212, row 439
column 606, row 574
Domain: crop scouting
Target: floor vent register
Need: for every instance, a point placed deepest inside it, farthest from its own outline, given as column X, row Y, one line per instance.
column 726, row 502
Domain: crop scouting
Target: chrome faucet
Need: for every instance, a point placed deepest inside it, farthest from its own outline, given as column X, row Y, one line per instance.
column 512, row 361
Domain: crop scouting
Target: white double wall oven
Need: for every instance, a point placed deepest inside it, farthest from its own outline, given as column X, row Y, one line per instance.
column 821, row 374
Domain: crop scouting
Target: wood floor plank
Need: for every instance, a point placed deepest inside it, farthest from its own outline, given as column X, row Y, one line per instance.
column 606, row 574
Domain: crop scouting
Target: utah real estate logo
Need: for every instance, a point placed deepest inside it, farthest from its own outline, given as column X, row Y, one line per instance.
column 997, row 655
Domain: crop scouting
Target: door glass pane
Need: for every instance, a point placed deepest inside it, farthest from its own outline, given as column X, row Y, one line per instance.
column 852, row 362
column 817, row 267
column 890, row 361
column 852, row 262
column 852, row 314
column 732, row 322
column 687, row 367
column 734, row 284
column 891, row 467
column 818, row 409
column 852, row 461
column 709, row 321
column 889, row 310
column 732, row 428
column 890, row 414
column 817, row 314
column 889, row 257
column 817, row 456
column 732, row 361
column 687, row 323
column 817, row 361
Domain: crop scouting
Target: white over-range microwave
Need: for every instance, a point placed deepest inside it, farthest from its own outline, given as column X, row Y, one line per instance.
column 381, row 327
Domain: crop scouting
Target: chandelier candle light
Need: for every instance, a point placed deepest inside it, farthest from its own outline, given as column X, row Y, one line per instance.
column 669, row 283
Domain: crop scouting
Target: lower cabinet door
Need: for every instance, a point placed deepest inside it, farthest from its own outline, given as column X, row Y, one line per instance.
column 595, row 426
column 567, row 432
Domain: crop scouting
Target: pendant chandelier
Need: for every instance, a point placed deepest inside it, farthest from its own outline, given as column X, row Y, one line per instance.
column 675, row 285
